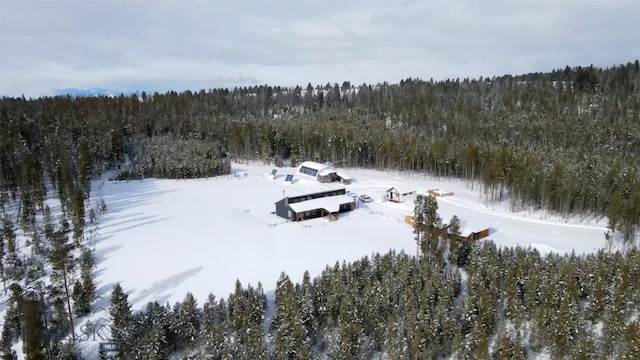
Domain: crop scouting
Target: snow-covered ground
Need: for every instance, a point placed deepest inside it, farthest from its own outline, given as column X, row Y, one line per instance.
column 163, row 238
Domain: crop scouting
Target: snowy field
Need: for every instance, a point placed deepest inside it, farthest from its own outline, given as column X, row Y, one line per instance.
column 163, row 238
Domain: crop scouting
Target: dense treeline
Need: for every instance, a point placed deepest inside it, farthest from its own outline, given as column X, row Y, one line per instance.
column 48, row 283
column 508, row 304
column 167, row 157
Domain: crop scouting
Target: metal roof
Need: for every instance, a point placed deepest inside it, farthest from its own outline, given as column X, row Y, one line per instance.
column 329, row 203
column 402, row 191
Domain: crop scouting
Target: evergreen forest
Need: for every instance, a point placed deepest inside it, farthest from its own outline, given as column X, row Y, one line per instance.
column 566, row 142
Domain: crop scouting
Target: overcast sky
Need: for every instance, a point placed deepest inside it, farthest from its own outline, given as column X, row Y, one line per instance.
column 180, row 45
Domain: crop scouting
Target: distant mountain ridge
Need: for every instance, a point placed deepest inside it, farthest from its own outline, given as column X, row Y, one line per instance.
column 90, row 92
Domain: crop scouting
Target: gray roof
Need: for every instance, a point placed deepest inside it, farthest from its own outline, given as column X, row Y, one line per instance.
column 329, row 203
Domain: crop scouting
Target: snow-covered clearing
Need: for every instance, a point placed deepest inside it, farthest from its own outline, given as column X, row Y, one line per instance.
column 163, row 238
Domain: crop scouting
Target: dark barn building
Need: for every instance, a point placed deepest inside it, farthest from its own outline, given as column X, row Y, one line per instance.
column 309, row 206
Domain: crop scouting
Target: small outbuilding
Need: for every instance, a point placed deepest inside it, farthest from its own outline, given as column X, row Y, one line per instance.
column 399, row 195
column 308, row 206
column 440, row 193
column 476, row 235
column 472, row 236
column 324, row 173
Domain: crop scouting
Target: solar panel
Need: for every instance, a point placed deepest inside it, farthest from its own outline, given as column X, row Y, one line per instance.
column 273, row 172
column 289, row 178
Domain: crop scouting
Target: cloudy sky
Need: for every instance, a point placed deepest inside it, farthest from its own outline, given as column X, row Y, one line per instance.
column 179, row 45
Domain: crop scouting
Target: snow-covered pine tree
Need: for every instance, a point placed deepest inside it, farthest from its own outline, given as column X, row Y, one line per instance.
column 289, row 333
column 79, row 309
column 121, row 318
column 154, row 347
column 427, row 225
column 63, row 264
column 505, row 348
column 304, row 298
column 6, row 232
column 6, row 353
column 255, row 347
column 187, row 323
column 455, row 244
column 84, row 289
column 213, row 338
column 631, row 341
column 34, row 334
column 11, row 265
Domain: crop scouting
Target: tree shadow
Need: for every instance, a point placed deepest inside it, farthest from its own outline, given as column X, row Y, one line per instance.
column 156, row 290
column 130, row 220
column 128, row 200
column 101, row 255
column 144, row 223
column 101, row 238
column 109, row 217
column 124, row 195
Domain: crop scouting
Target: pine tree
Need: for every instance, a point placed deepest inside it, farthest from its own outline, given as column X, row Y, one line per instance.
column 78, row 307
column 6, row 353
column 455, row 244
column 88, row 290
column 454, row 228
column 62, row 351
column 289, row 333
column 213, row 335
column 505, row 348
column 255, row 347
column 84, row 290
column 84, row 167
column 62, row 264
column 226, row 347
column 34, row 332
column 304, row 299
column 583, row 349
column 631, row 339
column 37, row 248
column 14, row 269
column 60, row 320
column 7, row 230
column 481, row 350
column 427, row 225
column 433, row 223
column 49, row 228
column 187, row 322
column 154, row 348
column 122, row 321
column 78, row 217
column 419, row 222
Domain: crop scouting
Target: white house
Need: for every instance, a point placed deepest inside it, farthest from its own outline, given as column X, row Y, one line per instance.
column 398, row 195
column 323, row 172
